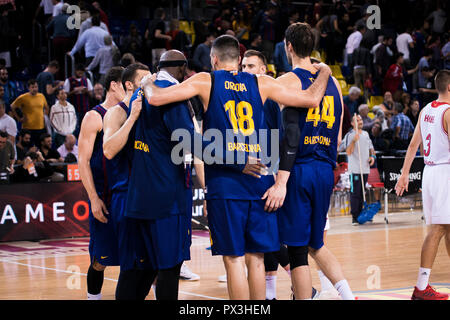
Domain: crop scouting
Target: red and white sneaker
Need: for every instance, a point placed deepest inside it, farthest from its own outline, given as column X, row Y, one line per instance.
column 428, row 294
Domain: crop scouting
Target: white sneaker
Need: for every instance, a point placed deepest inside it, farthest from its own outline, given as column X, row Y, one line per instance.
column 331, row 294
column 94, row 296
column 223, row 278
column 187, row 274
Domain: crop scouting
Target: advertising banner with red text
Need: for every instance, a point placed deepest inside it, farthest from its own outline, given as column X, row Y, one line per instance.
column 37, row 211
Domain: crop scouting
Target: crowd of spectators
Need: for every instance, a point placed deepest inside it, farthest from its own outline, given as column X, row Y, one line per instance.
column 388, row 72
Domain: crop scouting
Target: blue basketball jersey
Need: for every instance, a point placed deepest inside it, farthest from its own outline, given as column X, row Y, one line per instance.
column 319, row 126
column 158, row 187
column 98, row 162
column 236, row 109
column 118, row 168
column 272, row 114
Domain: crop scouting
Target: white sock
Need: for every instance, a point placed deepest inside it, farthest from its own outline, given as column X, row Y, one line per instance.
column 344, row 290
column 325, row 283
column 271, row 287
column 94, row 296
column 423, row 278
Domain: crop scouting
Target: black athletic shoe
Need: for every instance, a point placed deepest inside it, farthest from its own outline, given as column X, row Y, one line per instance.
column 314, row 294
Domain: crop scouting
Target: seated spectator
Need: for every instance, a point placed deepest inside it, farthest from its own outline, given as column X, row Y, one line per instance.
column 363, row 111
column 7, row 154
column 127, row 59
column 388, row 104
column 49, row 154
column 7, row 124
column 413, row 111
column 34, row 169
column 24, row 145
column 405, row 101
column 380, row 117
column 98, row 96
column 402, row 127
column 62, row 117
column 69, row 147
column 378, row 141
column 106, row 57
column 353, row 100
column 255, row 42
column 29, row 109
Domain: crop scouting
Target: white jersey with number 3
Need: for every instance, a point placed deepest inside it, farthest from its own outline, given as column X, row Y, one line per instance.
column 436, row 145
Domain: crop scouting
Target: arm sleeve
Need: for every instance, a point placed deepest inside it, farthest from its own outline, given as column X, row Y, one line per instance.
column 291, row 138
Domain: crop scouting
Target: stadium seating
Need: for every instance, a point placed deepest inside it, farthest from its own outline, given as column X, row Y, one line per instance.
column 336, row 71
column 374, row 101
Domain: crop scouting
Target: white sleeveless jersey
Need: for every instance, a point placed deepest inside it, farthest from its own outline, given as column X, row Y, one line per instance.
column 436, row 145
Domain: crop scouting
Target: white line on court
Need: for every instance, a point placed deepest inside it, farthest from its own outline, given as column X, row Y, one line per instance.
column 110, row 279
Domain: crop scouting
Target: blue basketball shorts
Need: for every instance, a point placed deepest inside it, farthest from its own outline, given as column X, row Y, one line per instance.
column 303, row 216
column 241, row 226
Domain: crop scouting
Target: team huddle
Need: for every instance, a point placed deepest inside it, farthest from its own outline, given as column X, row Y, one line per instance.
column 141, row 199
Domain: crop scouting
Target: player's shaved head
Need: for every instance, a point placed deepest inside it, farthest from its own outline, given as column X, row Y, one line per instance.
column 173, row 62
column 172, row 55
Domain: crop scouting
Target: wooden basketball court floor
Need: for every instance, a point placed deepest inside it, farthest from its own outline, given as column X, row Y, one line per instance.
column 380, row 262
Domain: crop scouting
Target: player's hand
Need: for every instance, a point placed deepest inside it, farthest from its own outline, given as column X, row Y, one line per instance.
column 322, row 67
column 402, row 184
column 255, row 168
column 99, row 210
column 275, row 197
column 136, row 108
column 371, row 161
column 148, row 80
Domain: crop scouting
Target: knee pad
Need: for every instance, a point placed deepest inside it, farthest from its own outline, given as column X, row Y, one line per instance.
column 298, row 256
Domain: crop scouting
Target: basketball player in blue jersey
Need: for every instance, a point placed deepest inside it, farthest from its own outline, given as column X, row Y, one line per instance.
column 255, row 62
column 241, row 231
column 160, row 195
column 308, row 154
column 103, row 247
column 133, row 283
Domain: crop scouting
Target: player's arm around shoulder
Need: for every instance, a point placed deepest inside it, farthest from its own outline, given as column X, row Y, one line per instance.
column 285, row 89
column 197, row 85
column 113, row 121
